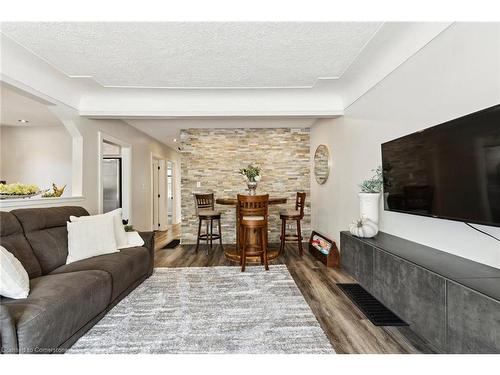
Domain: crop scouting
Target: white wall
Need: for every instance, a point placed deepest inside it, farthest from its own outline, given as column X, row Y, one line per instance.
column 36, row 155
column 29, row 150
column 142, row 146
column 456, row 74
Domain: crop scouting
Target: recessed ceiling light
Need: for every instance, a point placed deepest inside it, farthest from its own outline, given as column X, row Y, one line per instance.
column 22, row 121
column 175, row 139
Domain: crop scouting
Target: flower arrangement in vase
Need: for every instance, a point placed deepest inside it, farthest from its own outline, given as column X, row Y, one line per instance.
column 252, row 176
column 370, row 195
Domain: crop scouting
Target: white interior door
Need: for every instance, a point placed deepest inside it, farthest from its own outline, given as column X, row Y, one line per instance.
column 170, row 192
column 162, row 195
column 156, row 216
column 159, row 195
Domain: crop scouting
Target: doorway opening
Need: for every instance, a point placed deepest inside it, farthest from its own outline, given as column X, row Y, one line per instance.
column 114, row 176
column 111, row 174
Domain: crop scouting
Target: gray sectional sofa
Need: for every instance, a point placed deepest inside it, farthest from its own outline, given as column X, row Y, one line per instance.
column 65, row 301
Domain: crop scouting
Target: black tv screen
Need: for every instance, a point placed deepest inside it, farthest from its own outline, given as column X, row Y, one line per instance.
column 449, row 171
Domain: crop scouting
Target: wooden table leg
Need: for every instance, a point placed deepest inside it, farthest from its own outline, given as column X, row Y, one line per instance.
column 237, row 231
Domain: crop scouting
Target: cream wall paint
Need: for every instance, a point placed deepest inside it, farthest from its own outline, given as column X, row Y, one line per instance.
column 142, row 146
column 36, row 154
column 457, row 73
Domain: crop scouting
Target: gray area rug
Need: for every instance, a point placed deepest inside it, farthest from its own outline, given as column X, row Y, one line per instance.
column 210, row 310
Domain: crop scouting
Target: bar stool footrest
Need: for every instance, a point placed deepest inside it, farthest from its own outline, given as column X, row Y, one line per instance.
column 292, row 237
column 209, row 236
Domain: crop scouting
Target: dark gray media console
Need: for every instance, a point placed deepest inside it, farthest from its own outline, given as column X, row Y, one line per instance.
column 451, row 302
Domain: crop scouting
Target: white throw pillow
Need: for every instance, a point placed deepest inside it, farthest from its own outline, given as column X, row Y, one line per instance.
column 89, row 238
column 134, row 240
column 120, row 234
column 14, row 280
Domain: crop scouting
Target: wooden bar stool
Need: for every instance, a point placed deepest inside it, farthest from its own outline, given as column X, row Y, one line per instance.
column 252, row 219
column 204, row 204
column 295, row 215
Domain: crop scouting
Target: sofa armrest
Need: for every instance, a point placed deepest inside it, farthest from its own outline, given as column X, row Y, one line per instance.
column 149, row 243
column 8, row 333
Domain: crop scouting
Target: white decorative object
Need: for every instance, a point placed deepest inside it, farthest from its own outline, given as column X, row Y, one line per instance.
column 364, row 228
column 370, row 195
column 91, row 237
column 14, row 280
column 368, row 206
column 119, row 231
column 133, row 240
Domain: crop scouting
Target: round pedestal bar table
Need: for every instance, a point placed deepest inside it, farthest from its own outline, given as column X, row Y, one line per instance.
column 233, row 254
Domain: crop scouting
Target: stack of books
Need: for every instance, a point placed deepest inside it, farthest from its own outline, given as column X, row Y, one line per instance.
column 320, row 244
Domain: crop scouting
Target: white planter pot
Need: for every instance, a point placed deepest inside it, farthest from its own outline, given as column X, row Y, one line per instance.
column 368, row 206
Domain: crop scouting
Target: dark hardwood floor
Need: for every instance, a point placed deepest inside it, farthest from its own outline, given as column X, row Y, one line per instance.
column 347, row 329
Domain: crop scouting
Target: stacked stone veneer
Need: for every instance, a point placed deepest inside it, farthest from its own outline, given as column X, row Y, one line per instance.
column 213, row 158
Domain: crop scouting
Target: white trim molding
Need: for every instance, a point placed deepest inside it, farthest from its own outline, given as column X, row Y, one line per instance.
column 12, row 204
column 389, row 47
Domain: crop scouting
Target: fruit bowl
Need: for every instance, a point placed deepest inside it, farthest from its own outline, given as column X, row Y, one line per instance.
column 18, row 190
column 17, row 196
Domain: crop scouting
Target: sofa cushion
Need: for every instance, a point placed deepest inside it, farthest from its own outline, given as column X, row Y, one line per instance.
column 57, row 307
column 45, row 229
column 13, row 239
column 90, row 238
column 14, row 280
column 125, row 267
column 118, row 228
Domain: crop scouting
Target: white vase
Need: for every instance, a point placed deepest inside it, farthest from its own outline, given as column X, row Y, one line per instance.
column 368, row 206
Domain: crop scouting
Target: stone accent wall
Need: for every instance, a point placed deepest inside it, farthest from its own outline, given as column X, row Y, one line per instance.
column 213, row 158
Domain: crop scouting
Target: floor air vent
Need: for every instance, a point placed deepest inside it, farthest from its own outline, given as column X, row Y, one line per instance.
column 172, row 244
column 377, row 313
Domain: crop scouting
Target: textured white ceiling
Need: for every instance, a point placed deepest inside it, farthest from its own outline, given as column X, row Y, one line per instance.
column 181, row 55
column 16, row 106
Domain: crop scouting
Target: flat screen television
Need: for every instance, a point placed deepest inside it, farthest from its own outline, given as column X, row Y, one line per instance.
column 449, row 171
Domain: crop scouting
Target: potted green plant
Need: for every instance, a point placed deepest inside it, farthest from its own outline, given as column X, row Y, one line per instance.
column 369, row 196
column 252, row 176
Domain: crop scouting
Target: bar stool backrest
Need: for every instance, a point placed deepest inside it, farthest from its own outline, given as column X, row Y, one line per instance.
column 204, row 201
column 253, row 205
column 300, row 202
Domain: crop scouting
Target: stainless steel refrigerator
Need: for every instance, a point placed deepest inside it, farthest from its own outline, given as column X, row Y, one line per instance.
column 111, row 184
